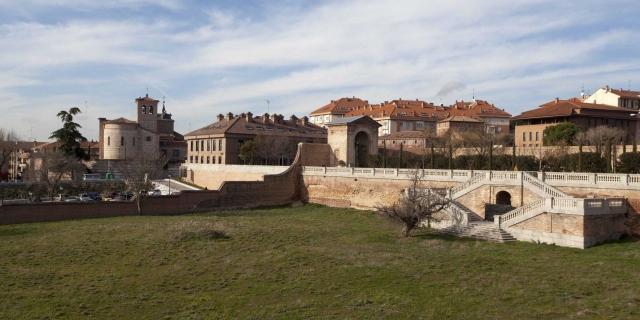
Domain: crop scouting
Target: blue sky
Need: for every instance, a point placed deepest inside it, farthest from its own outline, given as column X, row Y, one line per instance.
column 210, row 57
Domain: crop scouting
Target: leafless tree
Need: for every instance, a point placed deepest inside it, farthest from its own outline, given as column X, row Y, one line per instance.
column 138, row 175
column 417, row 205
column 8, row 139
column 54, row 168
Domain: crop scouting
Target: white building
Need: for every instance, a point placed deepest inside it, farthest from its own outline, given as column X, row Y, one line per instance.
column 616, row 97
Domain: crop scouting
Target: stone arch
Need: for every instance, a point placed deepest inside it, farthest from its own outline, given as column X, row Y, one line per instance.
column 362, row 142
column 503, row 198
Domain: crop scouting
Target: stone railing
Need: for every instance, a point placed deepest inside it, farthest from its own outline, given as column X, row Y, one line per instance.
column 543, row 189
column 556, row 179
column 602, row 180
column 573, row 206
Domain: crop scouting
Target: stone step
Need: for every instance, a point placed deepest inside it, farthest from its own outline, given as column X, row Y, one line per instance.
column 480, row 230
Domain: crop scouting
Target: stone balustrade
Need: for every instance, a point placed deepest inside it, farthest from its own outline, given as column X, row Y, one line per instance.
column 555, row 179
column 573, row 206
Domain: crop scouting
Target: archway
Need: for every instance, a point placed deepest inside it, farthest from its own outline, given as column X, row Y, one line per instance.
column 503, row 198
column 362, row 149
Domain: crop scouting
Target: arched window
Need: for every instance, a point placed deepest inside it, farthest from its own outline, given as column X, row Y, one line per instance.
column 144, row 109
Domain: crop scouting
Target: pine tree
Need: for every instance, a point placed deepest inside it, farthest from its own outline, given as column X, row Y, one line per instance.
column 69, row 135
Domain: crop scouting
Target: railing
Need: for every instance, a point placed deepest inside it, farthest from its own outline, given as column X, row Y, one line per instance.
column 579, row 179
column 508, row 219
column 462, row 189
column 545, row 189
column 566, row 205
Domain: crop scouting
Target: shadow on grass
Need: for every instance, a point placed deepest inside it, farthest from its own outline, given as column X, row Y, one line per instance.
column 8, row 232
column 441, row 236
column 623, row 240
column 273, row 211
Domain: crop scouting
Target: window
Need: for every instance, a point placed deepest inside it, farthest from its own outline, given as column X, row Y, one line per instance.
column 213, row 160
column 122, row 141
column 144, row 109
column 219, row 160
column 220, row 144
column 202, row 145
column 213, row 142
column 419, row 125
column 148, row 138
column 191, row 159
column 191, row 148
column 530, row 136
column 196, row 158
column 108, row 141
column 201, row 159
column 208, row 159
column 197, row 146
column 208, row 146
column 537, row 138
column 150, row 109
column 524, row 136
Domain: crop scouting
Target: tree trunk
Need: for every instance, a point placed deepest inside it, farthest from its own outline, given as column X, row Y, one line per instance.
column 450, row 156
column 138, row 204
column 580, row 157
column 406, row 231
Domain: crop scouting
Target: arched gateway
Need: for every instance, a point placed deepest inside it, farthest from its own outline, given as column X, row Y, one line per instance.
column 353, row 140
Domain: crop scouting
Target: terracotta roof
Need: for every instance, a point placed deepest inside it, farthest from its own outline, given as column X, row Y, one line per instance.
column 402, row 109
column 412, row 109
column 478, row 109
column 341, row 106
column 565, row 108
column 405, row 135
column 460, row 119
column 626, row 93
column 271, row 125
column 347, row 120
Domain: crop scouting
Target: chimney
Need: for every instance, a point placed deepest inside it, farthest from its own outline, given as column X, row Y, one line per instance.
column 229, row 116
column 249, row 116
column 557, row 100
column 220, row 117
column 304, row 121
column 265, row 118
column 293, row 119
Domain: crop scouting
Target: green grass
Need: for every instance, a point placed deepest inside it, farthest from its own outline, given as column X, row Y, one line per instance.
column 307, row 263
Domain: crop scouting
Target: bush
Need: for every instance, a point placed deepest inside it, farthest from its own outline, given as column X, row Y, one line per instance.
column 560, row 134
column 629, row 163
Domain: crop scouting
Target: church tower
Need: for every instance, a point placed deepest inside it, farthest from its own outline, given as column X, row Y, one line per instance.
column 147, row 113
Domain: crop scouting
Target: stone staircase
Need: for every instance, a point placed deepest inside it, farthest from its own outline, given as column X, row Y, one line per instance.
column 482, row 230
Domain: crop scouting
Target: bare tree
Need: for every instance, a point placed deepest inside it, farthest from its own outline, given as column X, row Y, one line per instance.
column 417, row 205
column 54, row 168
column 138, row 175
column 8, row 140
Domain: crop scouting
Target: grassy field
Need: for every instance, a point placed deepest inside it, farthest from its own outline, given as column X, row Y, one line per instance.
column 307, row 263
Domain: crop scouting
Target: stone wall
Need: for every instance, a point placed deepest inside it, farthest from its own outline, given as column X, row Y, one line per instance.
column 212, row 176
column 578, row 231
column 357, row 192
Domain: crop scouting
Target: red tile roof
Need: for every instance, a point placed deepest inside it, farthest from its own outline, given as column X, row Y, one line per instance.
column 412, row 109
column 626, row 93
column 565, row 108
column 341, row 106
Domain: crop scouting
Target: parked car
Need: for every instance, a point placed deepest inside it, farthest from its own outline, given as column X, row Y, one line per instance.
column 85, row 198
column 95, row 196
column 155, row 192
column 72, row 199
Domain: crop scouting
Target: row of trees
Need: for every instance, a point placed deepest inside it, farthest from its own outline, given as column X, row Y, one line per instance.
column 268, row 150
column 490, row 152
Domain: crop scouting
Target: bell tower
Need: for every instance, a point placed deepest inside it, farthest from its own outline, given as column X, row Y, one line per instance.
column 147, row 113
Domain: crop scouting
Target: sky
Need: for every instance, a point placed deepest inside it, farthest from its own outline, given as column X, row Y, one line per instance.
column 211, row 57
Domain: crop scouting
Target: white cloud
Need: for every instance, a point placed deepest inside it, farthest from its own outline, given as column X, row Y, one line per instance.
column 302, row 56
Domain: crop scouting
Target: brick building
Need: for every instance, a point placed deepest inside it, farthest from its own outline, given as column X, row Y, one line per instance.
column 530, row 125
column 413, row 115
column 220, row 142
